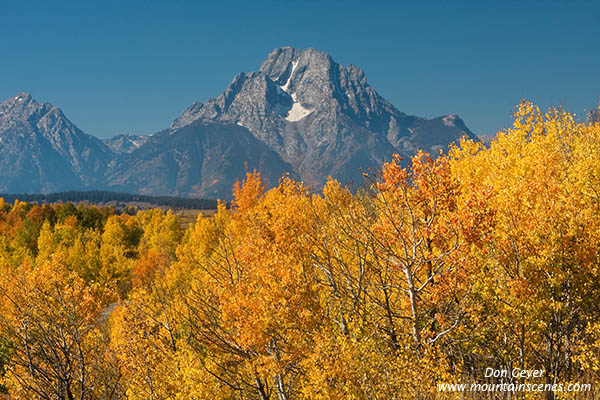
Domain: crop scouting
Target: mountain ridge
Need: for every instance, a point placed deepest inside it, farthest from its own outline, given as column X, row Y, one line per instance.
column 301, row 113
column 44, row 150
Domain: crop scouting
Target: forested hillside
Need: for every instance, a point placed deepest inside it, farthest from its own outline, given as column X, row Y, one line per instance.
column 487, row 257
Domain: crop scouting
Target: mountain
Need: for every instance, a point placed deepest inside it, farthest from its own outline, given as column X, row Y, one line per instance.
column 42, row 151
column 322, row 118
column 201, row 159
column 301, row 113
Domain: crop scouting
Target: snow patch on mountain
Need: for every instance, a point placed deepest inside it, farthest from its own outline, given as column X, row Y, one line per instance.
column 297, row 112
column 287, row 84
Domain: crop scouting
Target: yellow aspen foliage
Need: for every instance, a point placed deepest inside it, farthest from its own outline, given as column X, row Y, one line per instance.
column 118, row 251
column 162, row 232
column 143, row 337
column 52, row 322
column 539, row 276
column 252, row 304
column 435, row 270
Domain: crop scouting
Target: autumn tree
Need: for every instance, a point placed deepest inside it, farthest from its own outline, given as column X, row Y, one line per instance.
column 538, row 285
column 51, row 321
column 441, row 267
column 396, row 263
column 252, row 306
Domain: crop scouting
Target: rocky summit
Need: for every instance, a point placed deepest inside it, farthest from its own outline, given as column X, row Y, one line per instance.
column 322, row 118
column 301, row 113
column 42, row 151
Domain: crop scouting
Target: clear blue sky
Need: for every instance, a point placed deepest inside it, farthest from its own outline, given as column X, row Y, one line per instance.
column 133, row 66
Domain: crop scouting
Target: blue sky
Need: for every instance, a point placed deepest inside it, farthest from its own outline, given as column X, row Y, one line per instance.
column 133, row 66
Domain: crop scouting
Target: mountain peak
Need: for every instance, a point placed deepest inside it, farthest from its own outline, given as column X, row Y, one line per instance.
column 278, row 64
column 20, row 99
column 22, row 106
column 321, row 117
column 43, row 150
column 451, row 119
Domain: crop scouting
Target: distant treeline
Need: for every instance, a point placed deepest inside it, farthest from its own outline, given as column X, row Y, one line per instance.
column 101, row 196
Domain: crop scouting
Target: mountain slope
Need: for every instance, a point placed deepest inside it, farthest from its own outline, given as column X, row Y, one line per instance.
column 42, row 151
column 202, row 159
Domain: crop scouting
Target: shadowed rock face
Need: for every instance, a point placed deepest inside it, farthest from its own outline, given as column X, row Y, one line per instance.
column 322, row 118
column 202, row 159
column 301, row 113
column 42, row 151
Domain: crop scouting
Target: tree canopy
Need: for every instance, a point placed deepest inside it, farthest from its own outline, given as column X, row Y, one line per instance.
column 484, row 257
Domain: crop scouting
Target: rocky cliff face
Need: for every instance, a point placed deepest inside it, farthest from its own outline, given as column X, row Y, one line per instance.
column 300, row 113
column 42, row 151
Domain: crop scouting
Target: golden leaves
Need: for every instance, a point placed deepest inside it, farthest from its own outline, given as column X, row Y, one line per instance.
column 488, row 256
